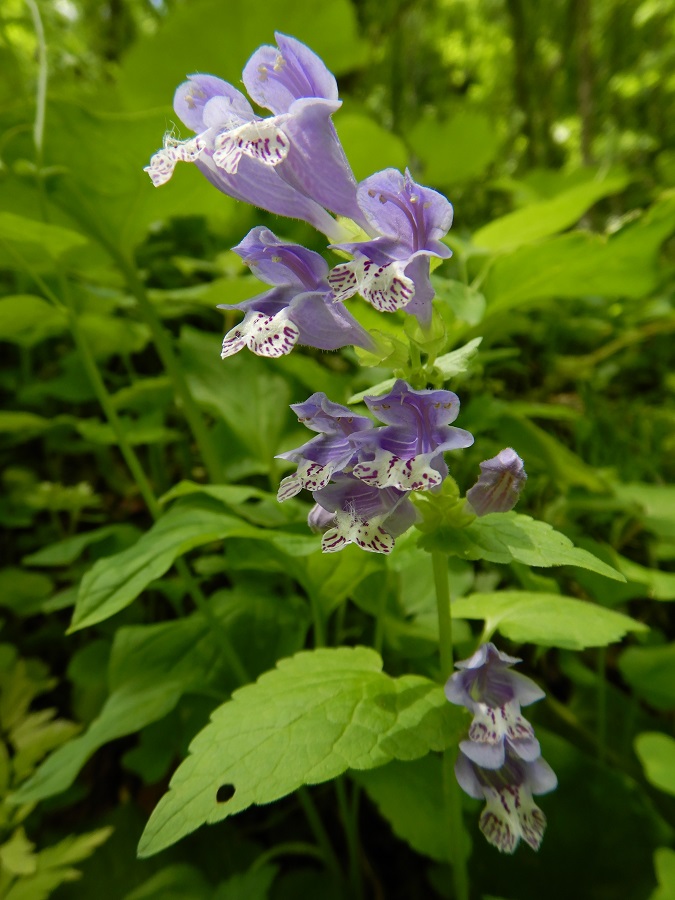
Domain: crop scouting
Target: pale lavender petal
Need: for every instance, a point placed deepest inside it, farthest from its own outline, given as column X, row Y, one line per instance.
column 485, row 755
column 316, row 163
column 323, row 415
column 326, row 326
column 275, row 77
column 319, row 519
column 279, row 262
column 467, row 778
column 194, row 95
column 262, row 186
column 410, row 213
column 498, row 488
column 422, row 411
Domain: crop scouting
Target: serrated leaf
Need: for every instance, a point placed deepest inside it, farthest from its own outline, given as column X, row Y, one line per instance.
column 505, row 537
column 409, row 795
column 316, row 715
column 656, row 752
column 650, row 671
column 548, row 620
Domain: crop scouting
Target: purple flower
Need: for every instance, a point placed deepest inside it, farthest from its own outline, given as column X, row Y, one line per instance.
column 408, row 454
column 510, row 813
column 499, row 485
column 290, row 163
column 299, row 307
column 392, row 271
column 290, row 80
column 331, row 452
column 488, row 688
column 362, row 515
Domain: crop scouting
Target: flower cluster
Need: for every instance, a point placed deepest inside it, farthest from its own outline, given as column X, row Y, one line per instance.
column 501, row 760
column 292, row 163
column 361, row 476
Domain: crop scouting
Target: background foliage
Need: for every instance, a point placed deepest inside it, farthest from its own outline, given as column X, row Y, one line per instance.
column 147, row 570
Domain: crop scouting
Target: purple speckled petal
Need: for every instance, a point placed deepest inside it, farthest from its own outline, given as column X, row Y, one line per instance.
column 498, row 488
column 275, row 77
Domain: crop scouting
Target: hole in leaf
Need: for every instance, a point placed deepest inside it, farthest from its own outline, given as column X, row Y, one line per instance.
column 224, row 793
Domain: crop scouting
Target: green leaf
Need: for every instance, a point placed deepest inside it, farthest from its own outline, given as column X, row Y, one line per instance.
column 50, row 239
column 369, row 147
column 540, row 220
column 466, row 303
column 245, row 393
column 115, row 582
column 505, row 537
column 157, row 63
column 656, row 752
column 23, row 592
column 72, row 849
column 664, row 863
column 409, row 795
column 579, row 264
column 548, row 620
column 179, row 881
column 152, row 666
column 17, row 856
column 316, row 715
column 450, row 364
column 255, row 884
column 455, row 150
column 66, row 552
column 26, row 320
column 650, row 671
column 655, row 503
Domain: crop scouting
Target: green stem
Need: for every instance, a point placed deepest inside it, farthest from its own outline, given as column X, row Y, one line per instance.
column 451, row 790
column 319, row 832
column 349, row 816
column 290, row 848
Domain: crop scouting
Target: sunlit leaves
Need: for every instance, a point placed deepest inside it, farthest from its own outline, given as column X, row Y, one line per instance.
column 307, row 721
column 548, row 620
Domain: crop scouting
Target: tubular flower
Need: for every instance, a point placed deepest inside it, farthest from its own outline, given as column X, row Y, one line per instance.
column 510, row 812
column 408, row 453
column 297, row 309
column 290, row 163
column 488, row 688
column 392, row 271
column 329, row 453
column 501, row 760
column 362, row 515
column 499, row 485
